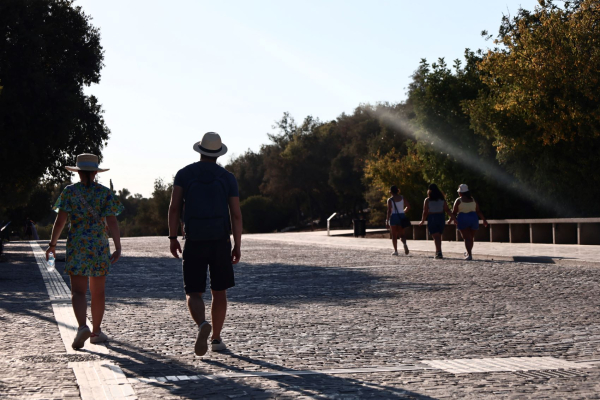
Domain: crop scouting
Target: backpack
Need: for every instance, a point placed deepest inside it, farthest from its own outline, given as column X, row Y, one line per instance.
column 206, row 214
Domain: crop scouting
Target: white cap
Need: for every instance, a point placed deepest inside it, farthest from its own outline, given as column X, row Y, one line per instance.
column 463, row 188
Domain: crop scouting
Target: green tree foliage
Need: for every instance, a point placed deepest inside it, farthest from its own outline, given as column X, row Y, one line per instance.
column 315, row 168
column 298, row 166
column 541, row 102
column 520, row 125
column 249, row 170
column 262, row 214
column 146, row 217
column 546, row 73
column 345, row 178
column 38, row 209
column 402, row 170
column 48, row 52
column 449, row 150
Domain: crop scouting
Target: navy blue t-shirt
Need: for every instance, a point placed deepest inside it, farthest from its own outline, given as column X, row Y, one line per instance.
column 187, row 174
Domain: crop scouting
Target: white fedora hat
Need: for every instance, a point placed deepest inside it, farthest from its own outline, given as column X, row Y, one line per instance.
column 87, row 162
column 211, row 145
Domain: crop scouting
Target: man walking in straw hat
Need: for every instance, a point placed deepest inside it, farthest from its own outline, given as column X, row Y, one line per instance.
column 212, row 206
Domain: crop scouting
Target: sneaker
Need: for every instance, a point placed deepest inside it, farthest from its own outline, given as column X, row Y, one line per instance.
column 405, row 249
column 467, row 256
column 82, row 335
column 98, row 338
column 395, row 253
column 217, row 345
column 438, row 256
column 201, row 346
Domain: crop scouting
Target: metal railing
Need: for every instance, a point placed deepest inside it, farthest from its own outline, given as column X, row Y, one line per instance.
column 584, row 231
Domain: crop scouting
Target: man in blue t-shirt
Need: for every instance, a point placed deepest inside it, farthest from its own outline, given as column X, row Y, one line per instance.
column 208, row 196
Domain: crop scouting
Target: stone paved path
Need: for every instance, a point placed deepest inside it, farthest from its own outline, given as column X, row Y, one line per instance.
column 33, row 361
column 565, row 254
column 300, row 307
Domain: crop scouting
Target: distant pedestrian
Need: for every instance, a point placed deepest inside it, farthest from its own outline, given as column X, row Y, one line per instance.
column 208, row 195
column 92, row 210
column 396, row 220
column 28, row 228
column 434, row 208
column 467, row 214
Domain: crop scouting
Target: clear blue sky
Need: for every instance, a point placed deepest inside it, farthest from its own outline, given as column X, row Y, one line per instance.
column 175, row 70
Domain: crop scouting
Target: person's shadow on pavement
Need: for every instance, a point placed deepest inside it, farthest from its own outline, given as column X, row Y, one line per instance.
column 317, row 385
column 312, row 384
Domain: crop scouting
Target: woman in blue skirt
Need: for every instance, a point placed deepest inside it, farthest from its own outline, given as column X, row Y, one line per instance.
column 434, row 210
column 467, row 214
column 396, row 221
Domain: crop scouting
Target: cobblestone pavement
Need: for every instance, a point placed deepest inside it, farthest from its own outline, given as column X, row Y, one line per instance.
column 311, row 307
column 565, row 254
column 33, row 361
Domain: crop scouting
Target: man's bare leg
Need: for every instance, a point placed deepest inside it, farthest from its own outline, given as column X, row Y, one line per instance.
column 196, row 306
column 218, row 311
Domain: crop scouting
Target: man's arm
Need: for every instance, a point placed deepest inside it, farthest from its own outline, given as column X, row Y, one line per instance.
column 236, row 226
column 174, row 216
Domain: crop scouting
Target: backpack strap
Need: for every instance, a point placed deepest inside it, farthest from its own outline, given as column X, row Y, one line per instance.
column 196, row 175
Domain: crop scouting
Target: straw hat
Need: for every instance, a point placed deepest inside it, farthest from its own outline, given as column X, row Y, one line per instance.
column 463, row 188
column 87, row 162
column 211, row 145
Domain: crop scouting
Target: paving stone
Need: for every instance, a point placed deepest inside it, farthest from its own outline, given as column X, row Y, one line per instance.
column 33, row 363
column 310, row 307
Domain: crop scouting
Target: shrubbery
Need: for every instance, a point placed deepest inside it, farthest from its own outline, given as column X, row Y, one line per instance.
column 262, row 215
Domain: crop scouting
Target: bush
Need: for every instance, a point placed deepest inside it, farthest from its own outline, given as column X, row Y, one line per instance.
column 261, row 214
column 45, row 231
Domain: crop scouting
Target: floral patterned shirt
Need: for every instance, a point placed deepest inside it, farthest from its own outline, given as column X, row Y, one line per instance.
column 88, row 252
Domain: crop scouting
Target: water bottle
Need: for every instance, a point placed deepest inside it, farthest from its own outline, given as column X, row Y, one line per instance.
column 51, row 261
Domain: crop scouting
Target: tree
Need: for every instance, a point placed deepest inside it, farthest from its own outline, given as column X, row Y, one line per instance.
column 297, row 166
column 392, row 168
column 262, row 214
column 249, row 171
column 541, row 103
column 365, row 136
column 443, row 148
column 48, row 52
column 346, row 179
column 442, row 128
column 547, row 74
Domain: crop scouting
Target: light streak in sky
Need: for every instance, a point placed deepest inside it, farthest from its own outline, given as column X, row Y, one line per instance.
column 470, row 160
column 343, row 90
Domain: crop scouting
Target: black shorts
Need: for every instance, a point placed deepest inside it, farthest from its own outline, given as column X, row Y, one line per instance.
column 214, row 254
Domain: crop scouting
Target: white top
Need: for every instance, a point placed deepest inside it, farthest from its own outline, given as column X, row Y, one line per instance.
column 436, row 206
column 399, row 206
